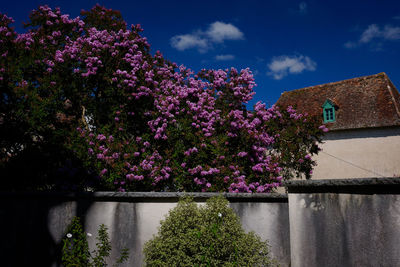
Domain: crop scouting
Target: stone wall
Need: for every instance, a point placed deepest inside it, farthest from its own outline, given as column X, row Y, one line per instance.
column 352, row 222
column 33, row 224
column 347, row 222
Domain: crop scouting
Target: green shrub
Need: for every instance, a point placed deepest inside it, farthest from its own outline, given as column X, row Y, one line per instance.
column 75, row 251
column 209, row 235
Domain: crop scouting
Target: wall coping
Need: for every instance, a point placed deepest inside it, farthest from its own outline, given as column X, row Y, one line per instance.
column 385, row 185
column 147, row 196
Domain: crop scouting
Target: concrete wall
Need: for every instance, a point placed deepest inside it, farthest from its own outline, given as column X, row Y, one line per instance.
column 338, row 222
column 33, row 224
column 345, row 223
column 363, row 153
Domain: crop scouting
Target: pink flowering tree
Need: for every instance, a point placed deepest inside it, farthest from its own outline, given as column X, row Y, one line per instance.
column 296, row 141
column 88, row 93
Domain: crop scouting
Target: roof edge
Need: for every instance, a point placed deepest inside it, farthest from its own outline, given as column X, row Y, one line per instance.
column 342, row 81
column 390, row 88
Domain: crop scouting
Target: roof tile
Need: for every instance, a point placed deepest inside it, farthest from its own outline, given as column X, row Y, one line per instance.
column 363, row 102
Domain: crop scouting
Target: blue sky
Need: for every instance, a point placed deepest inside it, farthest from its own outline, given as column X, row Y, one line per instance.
column 287, row 44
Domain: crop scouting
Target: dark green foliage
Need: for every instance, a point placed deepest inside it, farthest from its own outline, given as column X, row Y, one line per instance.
column 296, row 142
column 104, row 19
column 103, row 247
column 75, row 250
column 209, row 235
column 39, row 111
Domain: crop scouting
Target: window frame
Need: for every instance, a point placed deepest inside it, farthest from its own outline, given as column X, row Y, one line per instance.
column 328, row 111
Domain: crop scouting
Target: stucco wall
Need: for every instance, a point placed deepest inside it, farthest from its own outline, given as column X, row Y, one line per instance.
column 34, row 224
column 350, row 223
column 360, row 153
column 345, row 222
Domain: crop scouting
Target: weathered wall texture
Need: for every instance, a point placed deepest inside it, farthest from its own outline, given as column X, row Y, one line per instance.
column 347, row 224
column 361, row 153
column 34, row 224
column 271, row 222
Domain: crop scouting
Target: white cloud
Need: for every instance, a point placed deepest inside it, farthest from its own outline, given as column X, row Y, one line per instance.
column 284, row 65
column 350, row 45
column 259, row 59
column 391, row 33
column 372, row 32
column 216, row 33
column 224, row 57
column 303, row 8
column 220, row 31
column 187, row 41
column 300, row 9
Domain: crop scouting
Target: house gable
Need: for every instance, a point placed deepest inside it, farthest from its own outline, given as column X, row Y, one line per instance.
column 363, row 102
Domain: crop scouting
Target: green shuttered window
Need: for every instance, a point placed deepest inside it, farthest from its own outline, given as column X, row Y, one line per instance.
column 328, row 111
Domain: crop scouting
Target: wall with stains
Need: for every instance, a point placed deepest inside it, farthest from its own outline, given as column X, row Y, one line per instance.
column 345, row 222
column 338, row 222
column 344, row 230
column 34, row 224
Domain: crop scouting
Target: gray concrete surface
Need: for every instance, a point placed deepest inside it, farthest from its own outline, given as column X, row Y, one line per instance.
column 34, row 223
column 345, row 222
column 349, row 222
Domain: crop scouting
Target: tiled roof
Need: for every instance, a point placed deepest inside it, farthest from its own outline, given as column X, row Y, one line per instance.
column 369, row 101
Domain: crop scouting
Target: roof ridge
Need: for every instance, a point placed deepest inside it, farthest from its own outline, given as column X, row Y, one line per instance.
column 339, row 82
column 388, row 87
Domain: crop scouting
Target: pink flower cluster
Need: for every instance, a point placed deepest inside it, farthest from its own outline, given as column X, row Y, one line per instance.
column 7, row 37
column 171, row 129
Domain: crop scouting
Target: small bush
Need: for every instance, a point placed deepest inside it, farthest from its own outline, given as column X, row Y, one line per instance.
column 209, row 235
column 75, row 250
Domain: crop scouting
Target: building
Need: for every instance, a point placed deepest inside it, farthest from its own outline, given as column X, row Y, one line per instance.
column 363, row 115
